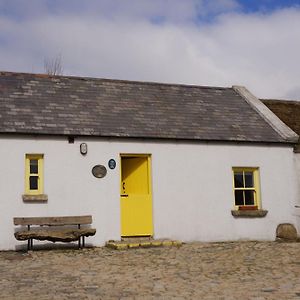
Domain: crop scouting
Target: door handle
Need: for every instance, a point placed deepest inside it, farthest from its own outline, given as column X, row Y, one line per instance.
column 124, row 195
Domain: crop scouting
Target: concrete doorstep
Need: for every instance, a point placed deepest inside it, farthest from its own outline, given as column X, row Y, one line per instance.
column 141, row 243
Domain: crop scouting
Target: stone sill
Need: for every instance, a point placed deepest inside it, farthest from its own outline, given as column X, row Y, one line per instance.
column 35, row 198
column 259, row 213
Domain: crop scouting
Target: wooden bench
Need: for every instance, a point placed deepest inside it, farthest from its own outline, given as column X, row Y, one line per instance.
column 52, row 229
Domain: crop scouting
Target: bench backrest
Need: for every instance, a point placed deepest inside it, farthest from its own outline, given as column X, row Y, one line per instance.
column 54, row 221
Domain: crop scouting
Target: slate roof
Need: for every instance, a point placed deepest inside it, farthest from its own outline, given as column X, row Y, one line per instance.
column 41, row 104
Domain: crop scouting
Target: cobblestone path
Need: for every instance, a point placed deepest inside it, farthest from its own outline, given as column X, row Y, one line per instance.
column 244, row 270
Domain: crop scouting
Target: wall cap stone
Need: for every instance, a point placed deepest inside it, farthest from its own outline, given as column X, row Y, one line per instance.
column 281, row 128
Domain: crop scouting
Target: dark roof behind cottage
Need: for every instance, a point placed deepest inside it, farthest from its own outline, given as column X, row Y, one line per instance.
column 40, row 104
column 288, row 111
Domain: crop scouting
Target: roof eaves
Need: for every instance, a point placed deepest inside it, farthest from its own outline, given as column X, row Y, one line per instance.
column 153, row 138
column 281, row 128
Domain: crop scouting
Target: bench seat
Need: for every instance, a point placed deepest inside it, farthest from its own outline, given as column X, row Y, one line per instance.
column 54, row 229
column 54, row 235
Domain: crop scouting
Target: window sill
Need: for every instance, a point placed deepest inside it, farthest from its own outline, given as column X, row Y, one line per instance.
column 35, row 198
column 259, row 213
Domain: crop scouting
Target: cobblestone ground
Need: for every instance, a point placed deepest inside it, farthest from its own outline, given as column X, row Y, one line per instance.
column 245, row 270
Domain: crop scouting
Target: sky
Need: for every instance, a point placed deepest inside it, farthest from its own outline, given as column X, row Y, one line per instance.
column 203, row 42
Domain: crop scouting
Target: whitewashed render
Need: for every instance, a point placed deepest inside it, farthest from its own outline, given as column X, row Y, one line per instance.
column 192, row 186
column 289, row 112
column 297, row 205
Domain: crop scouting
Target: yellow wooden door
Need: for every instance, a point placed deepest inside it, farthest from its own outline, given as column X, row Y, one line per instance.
column 136, row 200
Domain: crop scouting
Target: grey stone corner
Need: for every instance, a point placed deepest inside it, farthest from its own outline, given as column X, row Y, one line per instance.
column 297, row 148
column 259, row 213
column 281, row 128
column 35, row 198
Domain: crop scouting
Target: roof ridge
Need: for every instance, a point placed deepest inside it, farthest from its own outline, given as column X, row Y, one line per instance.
column 73, row 77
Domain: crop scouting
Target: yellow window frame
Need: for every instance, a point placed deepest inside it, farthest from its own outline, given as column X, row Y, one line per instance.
column 39, row 174
column 255, row 188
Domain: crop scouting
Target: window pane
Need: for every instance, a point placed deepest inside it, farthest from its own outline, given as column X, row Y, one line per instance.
column 238, row 179
column 33, row 166
column 239, row 197
column 33, row 182
column 249, row 197
column 249, row 179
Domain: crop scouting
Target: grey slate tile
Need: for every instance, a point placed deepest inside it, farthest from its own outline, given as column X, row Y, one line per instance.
column 63, row 105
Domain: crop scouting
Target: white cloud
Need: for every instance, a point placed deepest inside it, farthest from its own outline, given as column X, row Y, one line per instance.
column 258, row 51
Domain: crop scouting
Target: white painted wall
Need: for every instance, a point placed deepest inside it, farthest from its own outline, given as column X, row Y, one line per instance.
column 192, row 187
column 297, row 202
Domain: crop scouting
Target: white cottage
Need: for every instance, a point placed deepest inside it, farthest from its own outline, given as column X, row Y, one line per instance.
column 192, row 163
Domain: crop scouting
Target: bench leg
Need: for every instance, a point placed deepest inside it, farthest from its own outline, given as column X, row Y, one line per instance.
column 79, row 238
column 81, row 244
column 30, row 244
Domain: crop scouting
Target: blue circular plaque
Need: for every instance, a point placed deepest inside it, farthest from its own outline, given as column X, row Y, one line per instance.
column 112, row 164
